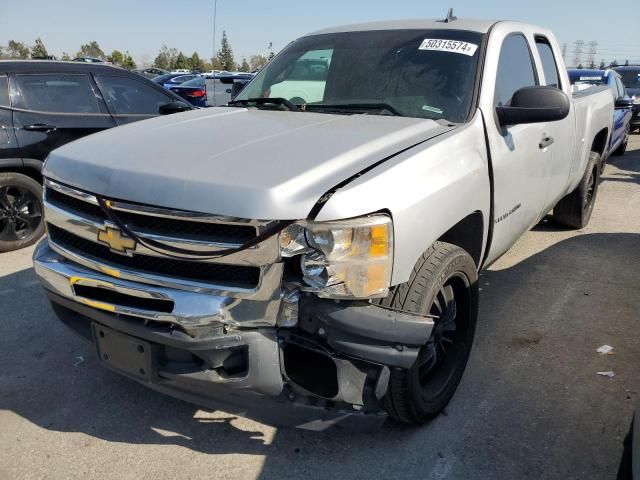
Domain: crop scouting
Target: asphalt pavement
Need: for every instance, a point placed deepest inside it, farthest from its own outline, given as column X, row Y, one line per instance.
column 530, row 405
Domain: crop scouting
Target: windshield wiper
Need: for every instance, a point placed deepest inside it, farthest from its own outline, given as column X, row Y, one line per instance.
column 354, row 106
column 267, row 101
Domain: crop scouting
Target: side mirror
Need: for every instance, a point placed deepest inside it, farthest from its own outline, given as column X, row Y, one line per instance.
column 534, row 105
column 238, row 85
column 174, row 107
column 624, row 102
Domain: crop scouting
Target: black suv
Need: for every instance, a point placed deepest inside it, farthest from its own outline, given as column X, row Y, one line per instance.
column 631, row 78
column 44, row 105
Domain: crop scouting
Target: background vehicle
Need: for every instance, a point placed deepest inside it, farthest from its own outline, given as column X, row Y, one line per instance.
column 182, row 71
column 151, row 72
column 44, row 105
column 623, row 113
column 174, row 80
column 631, row 80
column 88, row 60
column 436, row 145
column 194, row 91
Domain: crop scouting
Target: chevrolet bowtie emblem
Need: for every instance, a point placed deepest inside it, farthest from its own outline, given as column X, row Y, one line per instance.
column 116, row 240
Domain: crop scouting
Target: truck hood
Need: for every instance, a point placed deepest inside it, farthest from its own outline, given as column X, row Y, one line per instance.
column 238, row 162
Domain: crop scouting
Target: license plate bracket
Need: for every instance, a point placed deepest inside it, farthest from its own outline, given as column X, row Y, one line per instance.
column 123, row 353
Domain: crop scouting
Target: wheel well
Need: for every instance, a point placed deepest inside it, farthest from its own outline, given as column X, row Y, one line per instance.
column 600, row 141
column 467, row 234
column 29, row 172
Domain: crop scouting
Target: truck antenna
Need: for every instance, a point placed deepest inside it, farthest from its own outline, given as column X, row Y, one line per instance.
column 450, row 17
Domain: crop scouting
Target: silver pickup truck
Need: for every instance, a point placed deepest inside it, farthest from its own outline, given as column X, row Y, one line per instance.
column 321, row 247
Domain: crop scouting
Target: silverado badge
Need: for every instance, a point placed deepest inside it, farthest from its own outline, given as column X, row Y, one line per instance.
column 116, row 240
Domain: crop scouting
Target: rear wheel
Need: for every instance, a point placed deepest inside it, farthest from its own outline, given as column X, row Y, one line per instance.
column 575, row 209
column 21, row 209
column 444, row 285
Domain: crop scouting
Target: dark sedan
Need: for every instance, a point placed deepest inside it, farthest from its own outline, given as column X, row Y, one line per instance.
column 194, row 91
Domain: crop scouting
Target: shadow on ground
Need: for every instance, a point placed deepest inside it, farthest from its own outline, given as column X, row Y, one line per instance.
column 530, row 404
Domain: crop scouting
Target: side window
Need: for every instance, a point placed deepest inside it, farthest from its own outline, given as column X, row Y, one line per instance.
column 126, row 96
column 60, row 93
column 306, row 80
column 549, row 65
column 4, row 92
column 515, row 69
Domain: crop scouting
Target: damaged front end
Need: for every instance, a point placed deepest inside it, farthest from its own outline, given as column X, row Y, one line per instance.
column 288, row 319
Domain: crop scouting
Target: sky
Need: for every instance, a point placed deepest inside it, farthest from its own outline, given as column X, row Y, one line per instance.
column 143, row 26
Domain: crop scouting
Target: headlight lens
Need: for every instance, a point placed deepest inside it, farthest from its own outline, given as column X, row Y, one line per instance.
column 346, row 259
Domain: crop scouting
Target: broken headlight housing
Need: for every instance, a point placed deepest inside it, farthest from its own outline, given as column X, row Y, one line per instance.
column 343, row 259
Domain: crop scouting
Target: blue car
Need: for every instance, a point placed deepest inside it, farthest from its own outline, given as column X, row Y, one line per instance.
column 172, row 79
column 631, row 79
column 623, row 113
column 193, row 91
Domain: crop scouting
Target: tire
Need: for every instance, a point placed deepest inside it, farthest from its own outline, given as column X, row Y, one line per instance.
column 21, row 219
column 574, row 210
column 417, row 395
column 623, row 146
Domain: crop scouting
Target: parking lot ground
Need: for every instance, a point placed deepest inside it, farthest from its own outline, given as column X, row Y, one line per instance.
column 530, row 404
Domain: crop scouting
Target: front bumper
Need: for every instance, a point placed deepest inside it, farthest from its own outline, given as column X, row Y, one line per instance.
column 337, row 358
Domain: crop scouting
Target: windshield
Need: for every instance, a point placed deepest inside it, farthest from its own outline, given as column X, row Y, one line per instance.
column 196, row 82
column 630, row 78
column 425, row 73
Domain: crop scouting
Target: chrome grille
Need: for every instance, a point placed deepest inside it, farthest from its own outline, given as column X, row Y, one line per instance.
column 74, row 219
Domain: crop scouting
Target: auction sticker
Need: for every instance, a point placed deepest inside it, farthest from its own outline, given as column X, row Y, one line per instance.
column 455, row 46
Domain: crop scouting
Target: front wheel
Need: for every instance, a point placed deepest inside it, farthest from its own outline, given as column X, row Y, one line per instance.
column 21, row 221
column 443, row 284
column 575, row 209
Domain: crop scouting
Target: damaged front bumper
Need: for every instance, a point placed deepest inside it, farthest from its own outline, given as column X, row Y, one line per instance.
column 338, row 356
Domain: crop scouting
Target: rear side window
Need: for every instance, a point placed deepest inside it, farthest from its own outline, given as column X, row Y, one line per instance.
column 126, row 96
column 4, row 92
column 60, row 93
column 515, row 69
column 548, row 62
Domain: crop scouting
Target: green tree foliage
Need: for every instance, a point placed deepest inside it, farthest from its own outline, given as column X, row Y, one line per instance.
column 256, row 62
column 225, row 54
column 16, row 50
column 128, row 62
column 196, row 62
column 614, row 64
column 39, row 50
column 166, row 58
column 91, row 49
column 626, row 63
column 116, row 57
column 602, row 65
column 245, row 67
column 182, row 62
column 66, row 56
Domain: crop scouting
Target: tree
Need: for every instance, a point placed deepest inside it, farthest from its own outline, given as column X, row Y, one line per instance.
column 225, row 54
column 116, row 57
column 602, row 65
column 39, row 50
column 196, row 62
column 65, row 56
column 216, row 64
column 626, row 63
column 256, row 62
column 91, row 49
column 17, row 50
column 244, row 66
column 181, row 62
column 128, row 62
column 166, row 58
column 580, row 67
column 614, row 64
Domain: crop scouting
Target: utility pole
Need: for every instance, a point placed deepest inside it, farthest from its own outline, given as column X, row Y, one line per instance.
column 564, row 52
column 215, row 12
column 591, row 55
column 577, row 52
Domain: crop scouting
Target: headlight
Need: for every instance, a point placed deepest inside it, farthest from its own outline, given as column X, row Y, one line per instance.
column 346, row 259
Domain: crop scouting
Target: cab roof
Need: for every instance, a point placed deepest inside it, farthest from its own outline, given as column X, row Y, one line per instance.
column 472, row 25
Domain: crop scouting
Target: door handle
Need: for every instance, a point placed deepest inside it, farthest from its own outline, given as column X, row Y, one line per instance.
column 39, row 127
column 545, row 142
